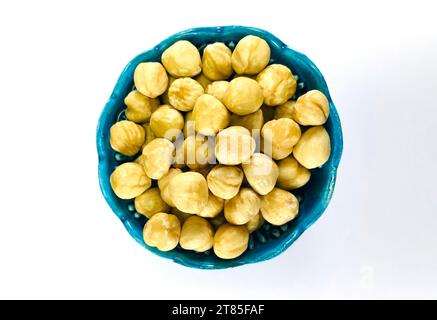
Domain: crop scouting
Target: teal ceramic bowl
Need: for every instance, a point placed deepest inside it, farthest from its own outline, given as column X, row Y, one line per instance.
column 269, row 241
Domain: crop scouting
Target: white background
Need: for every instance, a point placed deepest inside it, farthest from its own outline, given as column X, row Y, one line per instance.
column 59, row 61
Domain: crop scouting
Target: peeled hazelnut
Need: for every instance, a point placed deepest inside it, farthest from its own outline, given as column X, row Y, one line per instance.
column 280, row 136
column 182, row 59
column 291, row 174
column 285, row 110
column 313, row 148
column 311, row 109
column 230, row 241
column 129, row 180
column 203, row 80
column 261, row 173
column 163, row 183
column 252, row 121
column 210, row 115
column 126, row 137
column 218, row 221
column 158, row 157
column 189, row 192
column 164, row 97
column 241, row 208
column 255, row 223
column 198, row 151
column 277, row 83
column 167, row 122
column 243, row 96
column 251, row 55
column 279, row 207
column 216, row 61
column 189, row 126
column 213, row 207
column 183, row 93
column 150, row 79
column 150, row 202
column 149, row 134
column 182, row 216
column 217, row 89
column 139, row 107
column 140, row 159
column 197, row 234
column 179, row 160
column 234, row 145
column 225, row 181
column 162, row 231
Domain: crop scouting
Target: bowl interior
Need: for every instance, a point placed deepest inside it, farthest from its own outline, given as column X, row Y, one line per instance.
column 269, row 241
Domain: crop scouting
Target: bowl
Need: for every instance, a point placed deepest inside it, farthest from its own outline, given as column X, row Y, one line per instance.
column 270, row 240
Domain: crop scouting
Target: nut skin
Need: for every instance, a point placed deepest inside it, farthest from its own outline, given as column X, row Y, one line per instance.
column 197, row 234
column 311, row 109
column 251, row 55
column 213, row 207
column 280, row 136
column 234, row 145
column 252, row 121
column 255, row 222
column 126, row 137
column 183, row 93
column 150, row 202
column 279, row 207
column 189, row 126
column 210, row 115
column 278, row 84
column 243, row 96
column 285, row 110
column 139, row 107
column 313, row 148
column 163, row 185
column 225, row 181
column 241, row 208
column 167, row 122
column 198, row 152
column 216, row 61
column 218, row 89
column 189, row 192
column 158, row 157
column 261, row 173
column 162, row 231
column 230, row 241
column 150, row 79
column 292, row 175
column 182, row 59
column 129, row 180
column 203, row 80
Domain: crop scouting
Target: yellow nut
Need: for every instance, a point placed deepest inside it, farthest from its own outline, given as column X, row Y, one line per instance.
column 261, row 173
column 243, row 96
column 225, row 181
column 197, row 234
column 311, row 109
column 213, row 207
column 210, row 115
column 189, row 192
column 216, row 61
column 313, row 148
column 251, row 55
column 230, row 241
column 184, row 92
column 218, row 221
column 198, row 151
column 279, row 207
column 179, row 161
column 126, row 137
column 291, row 174
column 203, row 80
column 234, row 145
column 182, row 59
column 182, row 216
column 255, row 223
column 162, row 231
column 285, row 110
column 149, row 134
column 243, row 207
column 163, row 183
column 158, row 157
column 164, row 97
column 129, row 180
column 150, row 203
column 139, row 107
column 189, row 126
column 140, row 159
column 253, row 121
column 279, row 137
column 167, row 122
column 150, row 79
column 278, row 84
column 217, row 89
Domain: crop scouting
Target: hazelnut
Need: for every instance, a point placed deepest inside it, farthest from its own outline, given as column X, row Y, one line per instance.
column 164, row 97
column 149, row 134
column 252, row 121
column 213, row 207
column 150, row 202
column 162, row 231
column 255, row 223
column 183, row 93
column 241, row 208
column 230, row 241
column 218, row 221
column 197, row 234
column 182, row 216
column 278, row 84
column 311, row 109
column 139, row 107
column 126, row 137
column 313, row 148
column 261, row 173
column 216, row 61
column 150, row 79
column 243, row 96
column 129, row 180
column 217, row 89
column 163, row 183
column 279, row 137
column 291, row 174
column 179, row 160
column 198, row 151
column 251, row 55
column 203, row 80
column 140, row 159
column 279, row 207
column 225, row 181
column 234, row 145
column 167, row 122
column 189, row 126
column 158, row 157
column 210, row 115
column 189, row 192
column 284, row 110
column 182, row 59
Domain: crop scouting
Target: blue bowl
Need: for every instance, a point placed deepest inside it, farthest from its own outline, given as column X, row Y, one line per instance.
column 269, row 241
